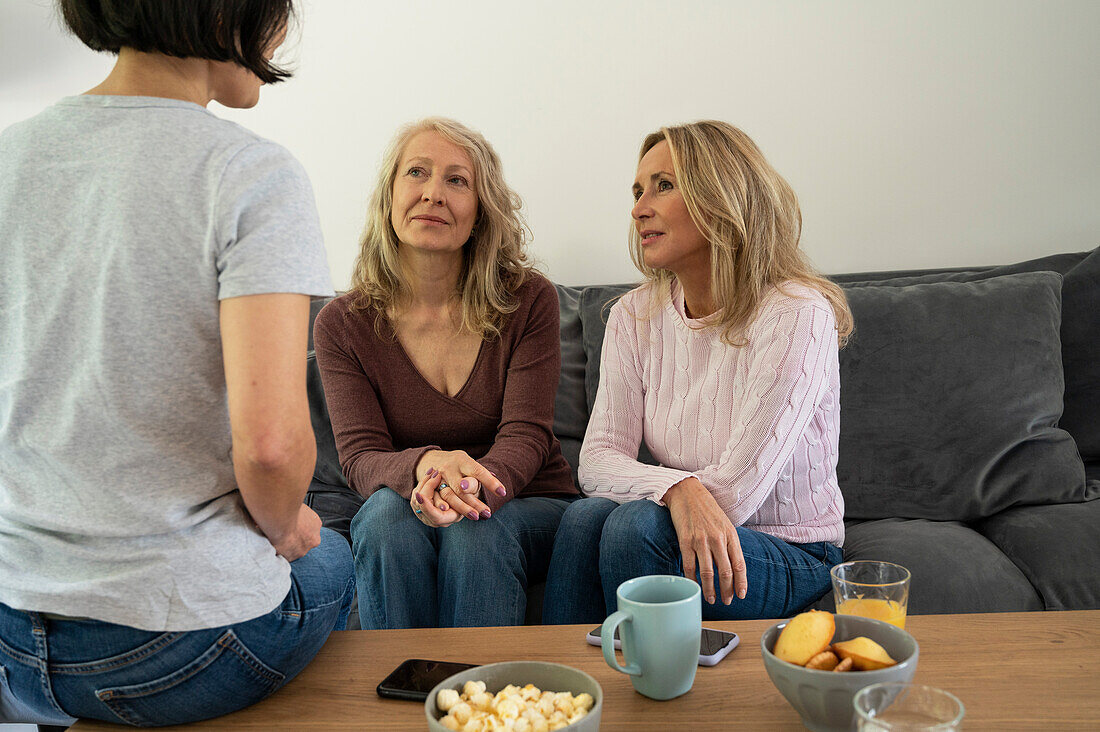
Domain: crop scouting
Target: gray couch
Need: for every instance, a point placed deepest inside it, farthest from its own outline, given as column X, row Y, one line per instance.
column 970, row 429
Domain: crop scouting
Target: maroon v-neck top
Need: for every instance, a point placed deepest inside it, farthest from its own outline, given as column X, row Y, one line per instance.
column 385, row 415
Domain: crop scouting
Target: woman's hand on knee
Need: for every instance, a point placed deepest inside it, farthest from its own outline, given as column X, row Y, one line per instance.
column 708, row 540
column 462, row 481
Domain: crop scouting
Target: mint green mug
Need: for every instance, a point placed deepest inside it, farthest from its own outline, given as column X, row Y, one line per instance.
column 660, row 620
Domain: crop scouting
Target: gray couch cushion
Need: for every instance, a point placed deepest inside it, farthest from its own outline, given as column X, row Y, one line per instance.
column 336, row 505
column 595, row 305
column 329, row 494
column 950, row 393
column 570, row 404
column 1056, row 547
column 955, row 569
column 327, row 468
column 315, row 305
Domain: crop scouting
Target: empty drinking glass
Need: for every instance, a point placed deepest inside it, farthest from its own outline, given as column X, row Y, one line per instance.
column 894, row 707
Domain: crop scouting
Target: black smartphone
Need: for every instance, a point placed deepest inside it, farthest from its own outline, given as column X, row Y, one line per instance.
column 714, row 645
column 415, row 677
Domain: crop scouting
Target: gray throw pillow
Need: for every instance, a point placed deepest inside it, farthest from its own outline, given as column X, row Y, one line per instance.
column 1080, row 325
column 950, row 397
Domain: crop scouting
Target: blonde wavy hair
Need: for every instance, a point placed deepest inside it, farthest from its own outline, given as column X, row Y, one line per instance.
column 495, row 259
column 750, row 216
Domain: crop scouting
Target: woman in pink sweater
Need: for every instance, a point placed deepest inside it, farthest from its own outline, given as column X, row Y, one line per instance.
column 725, row 363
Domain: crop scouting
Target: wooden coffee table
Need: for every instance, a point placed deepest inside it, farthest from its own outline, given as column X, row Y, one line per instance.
column 1011, row 670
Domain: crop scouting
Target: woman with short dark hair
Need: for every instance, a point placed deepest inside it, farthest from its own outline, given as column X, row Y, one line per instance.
column 157, row 564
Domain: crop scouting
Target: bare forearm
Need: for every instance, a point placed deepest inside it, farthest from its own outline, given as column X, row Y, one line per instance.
column 274, row 485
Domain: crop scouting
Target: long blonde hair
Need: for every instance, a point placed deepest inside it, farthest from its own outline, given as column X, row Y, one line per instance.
column 495, row 260
column 750, row 216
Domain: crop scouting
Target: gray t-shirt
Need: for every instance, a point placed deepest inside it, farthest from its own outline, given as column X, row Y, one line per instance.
column 123, row 222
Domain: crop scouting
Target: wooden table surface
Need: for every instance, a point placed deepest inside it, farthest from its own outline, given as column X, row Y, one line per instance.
column 1011, row 671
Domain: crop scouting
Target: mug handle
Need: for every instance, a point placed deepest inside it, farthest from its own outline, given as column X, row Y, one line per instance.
column 607, row 642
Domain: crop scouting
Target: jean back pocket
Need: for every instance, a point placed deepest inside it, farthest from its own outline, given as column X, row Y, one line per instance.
column 224, row 678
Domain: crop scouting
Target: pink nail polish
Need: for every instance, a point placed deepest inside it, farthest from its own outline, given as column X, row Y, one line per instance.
column 419, row 498
column 464, row 485
column 486, row 514
column 502, row 492
column 431, row 472
column 473, row 515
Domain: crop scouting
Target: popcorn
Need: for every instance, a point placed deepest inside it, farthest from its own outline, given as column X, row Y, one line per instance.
column 514, row 709
column 508, row 708
column 461, row 712
column 563, row 702
column 545, row 706
column 446, row 699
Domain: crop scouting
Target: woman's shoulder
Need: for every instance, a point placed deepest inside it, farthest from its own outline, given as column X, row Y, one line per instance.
column 340, row 316
column 535, row 298
column 791, row 297
column 789, row 307
column 639, row 316
column 644, row 301
column 534, row 286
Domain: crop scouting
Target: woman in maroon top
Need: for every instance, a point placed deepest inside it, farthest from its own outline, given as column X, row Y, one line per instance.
column 440, row 368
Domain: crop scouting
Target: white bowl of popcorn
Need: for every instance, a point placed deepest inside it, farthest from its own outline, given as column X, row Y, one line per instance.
column 516, row 696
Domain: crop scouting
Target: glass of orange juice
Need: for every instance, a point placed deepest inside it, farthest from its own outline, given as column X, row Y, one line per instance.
column 873, row 589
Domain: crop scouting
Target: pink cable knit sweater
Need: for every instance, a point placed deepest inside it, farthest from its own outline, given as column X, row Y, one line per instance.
column 757, row 425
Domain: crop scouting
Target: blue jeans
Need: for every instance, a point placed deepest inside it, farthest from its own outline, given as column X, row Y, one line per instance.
column 52, row 670
column 469, row 574
column 601, row 544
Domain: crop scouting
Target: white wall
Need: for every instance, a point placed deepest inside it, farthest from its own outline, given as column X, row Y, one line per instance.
column 917, row 134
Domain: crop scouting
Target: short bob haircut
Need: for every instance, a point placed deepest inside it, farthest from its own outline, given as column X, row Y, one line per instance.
column 751, row 218
column 218, row 30
column 495, row 260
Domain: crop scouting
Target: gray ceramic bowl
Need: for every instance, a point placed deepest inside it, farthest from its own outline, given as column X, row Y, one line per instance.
column 546, row 676
column 824, row 698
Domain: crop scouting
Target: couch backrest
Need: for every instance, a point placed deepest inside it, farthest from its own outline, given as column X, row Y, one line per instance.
column 583, row 314
column 1010, row 411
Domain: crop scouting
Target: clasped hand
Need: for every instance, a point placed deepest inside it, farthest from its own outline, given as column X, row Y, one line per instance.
column 448, row 488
